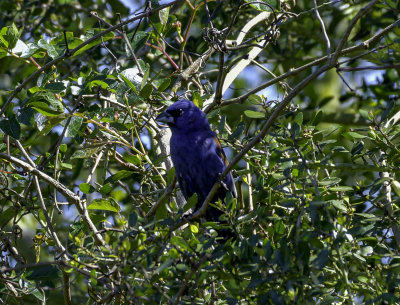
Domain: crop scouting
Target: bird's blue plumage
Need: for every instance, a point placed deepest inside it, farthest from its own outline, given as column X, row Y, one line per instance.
column 196, row 154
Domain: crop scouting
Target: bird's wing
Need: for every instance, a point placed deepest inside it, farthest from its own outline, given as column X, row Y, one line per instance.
column 185, row 178
column 229, row 178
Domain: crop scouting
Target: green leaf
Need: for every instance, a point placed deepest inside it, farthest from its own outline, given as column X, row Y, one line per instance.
column 192, row 201
column 29, row 49
column 139, row 40
column 47, row 98
column 46, row 124
column 387, row 111
column 11, row 127
column 93, row 277
column 254, row 99
column 194, row 228
column 164, row 85
column 63, row 148
column 163, row 14
column 3, row 53
column 170, row 175
column 254, row 114
column 133, row 218
column 6, row 215
column 279, row 227
column 355, row 135
column 74, row 127
column 317, row 118
column 197, row 100
column 104, row 205
column 37, row 294
column 50, row 49
column 161, row 212
column 325, row 101
column 299, row 118
column 119, row 176
column 396, row 187
column 55, row 87
column 322, row 259
column 3, row 39
column 339, row 204
column 66, row 165
column 146, row 91
column 106, row 188
column 43, row 79
column 86, row 152
column 358, row 148
column 134, row 159
column 9, row 36
column 86, row 188
column 146, row 75
column 164, row 265
column 221, row 126
column 237, row 133
column 328, row 300
column 89, row 34
column 13, row 36
column 118, row 126
column 44, row 109
column 128, row 82
column 330, row 181
column 25, row 116
column 365, row 114
column 341, row 189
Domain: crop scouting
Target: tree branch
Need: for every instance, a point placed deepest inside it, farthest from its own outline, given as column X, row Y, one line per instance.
column 279, row 108
column 294, row 71
column 61, row 188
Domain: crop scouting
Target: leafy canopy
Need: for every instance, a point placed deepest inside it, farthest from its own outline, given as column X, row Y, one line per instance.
column 304, row 97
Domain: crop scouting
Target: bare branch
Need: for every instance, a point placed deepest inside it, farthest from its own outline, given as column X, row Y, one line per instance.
column 326, row 37
column 61, row 188
column 351, row 69
column 364, row 45
column 350, row 27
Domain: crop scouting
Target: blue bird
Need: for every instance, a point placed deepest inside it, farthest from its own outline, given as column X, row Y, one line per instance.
column 197, row 155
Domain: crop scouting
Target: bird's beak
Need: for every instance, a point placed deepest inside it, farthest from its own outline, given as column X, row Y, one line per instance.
column 166, row 118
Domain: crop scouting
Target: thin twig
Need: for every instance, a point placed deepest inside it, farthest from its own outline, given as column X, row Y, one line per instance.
column 243, row 63
column 326, row 37
column 61, row 188
column 294, row 71
column 351, row 69
column 188, row 277
column 41, row 201
column 350, row 27
column 66, row 288
column 161, row 200
column 250, row 188
column 220, row 79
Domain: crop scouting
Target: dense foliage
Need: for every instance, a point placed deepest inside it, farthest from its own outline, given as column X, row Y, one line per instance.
column 304, row 97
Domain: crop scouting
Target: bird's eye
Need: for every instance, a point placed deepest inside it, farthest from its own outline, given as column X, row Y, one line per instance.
column 176, row 112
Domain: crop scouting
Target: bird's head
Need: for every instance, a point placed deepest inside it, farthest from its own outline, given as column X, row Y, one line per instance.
column 184, row 116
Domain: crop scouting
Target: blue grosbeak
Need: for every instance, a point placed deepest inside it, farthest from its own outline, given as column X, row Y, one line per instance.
column 196, row 154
